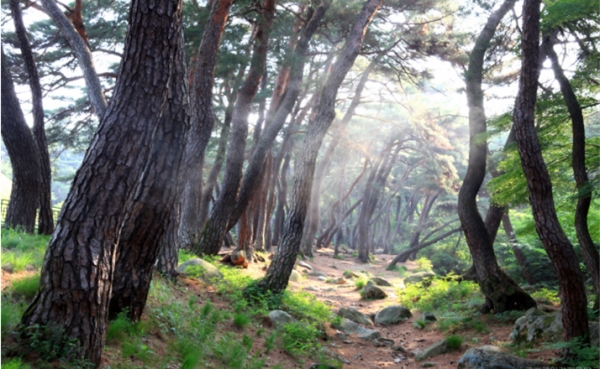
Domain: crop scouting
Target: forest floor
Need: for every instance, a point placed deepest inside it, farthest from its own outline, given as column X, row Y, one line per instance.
column 154, row 350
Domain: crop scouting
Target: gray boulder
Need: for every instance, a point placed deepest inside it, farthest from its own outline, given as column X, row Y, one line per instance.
column 295, row 276
column 207, row 272
column 347, row 326
column 490, row 357
column 392, row 315
column 437, row 348
column 536, row 325
column 372, row 292
column 368, row 334
column 380, row 281
column 355, row 316
column 314, row 273
column 280, row 318
column 419, row 277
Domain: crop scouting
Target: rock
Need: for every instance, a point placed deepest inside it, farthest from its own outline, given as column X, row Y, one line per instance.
column 419, row 277
column 372, row 292
column 355, row 316
column 208, row 272
column 279, row 318
column 379, row 251
column 437, row 348
column 295, row 276
column 490, row 357
column 380, row 281
column 312, row 288
column 384, row 342
column 392, row 315
column 368, row 334
column 322, row 278
column 347, row 326
column 238, row 257
column 428, row 317
column 305, row 265
column 536, row 325
column 428, row 364
column 7, row 268
column 30, row 268
column 339, row 280
column 314, row 273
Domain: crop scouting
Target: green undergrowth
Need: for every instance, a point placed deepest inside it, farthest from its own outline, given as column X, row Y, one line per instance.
column 441, row 296
column 21, row 250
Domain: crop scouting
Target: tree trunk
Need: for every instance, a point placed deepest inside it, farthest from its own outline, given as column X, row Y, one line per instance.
column 280, row 269
column 155, row 196
column 557, row 245
column 501, row 292
column 202, row 119
column 314, row 218
column 83, row 54
column 168, row 254
column 24, row 158
column 514, row 245
column 590, row 253
column 211, row 238
column 76, row 278
column 45, row 219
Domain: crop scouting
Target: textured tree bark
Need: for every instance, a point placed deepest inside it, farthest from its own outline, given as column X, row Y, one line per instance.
column 154, row 202
column 77, row 274
column 212, row 235
column 202, row 119
column 590, row 253
column 501, row 292
column 168, row 255
column 280, row 269
column 45, row 220
column 313, row 217
column 24, row 158
column 84, row 56
column 281, row 201
column 557, row 245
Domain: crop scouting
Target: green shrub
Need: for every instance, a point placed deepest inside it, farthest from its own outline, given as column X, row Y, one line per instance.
column 23, row 249
column 361, row 282
column 11, row 315
column 304, row 305
column 120, row 328
column 423, row 265
column 420, row 324
column 240, row 320
column 26, row 287
column 439, row 296
column 581, row 355
column 454, row 342
column 270, row 342
column 300, row 338
column 14, row 363
column 189, row 352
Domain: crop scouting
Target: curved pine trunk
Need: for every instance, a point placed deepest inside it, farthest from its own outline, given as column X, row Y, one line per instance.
column 76, row 278
column 24, row 159
column 280, row 269
column 45, row 217
column 557, row 245
column 501, row 292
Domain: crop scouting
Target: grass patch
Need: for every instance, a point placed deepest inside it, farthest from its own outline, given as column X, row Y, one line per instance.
column 361, row 282
column 14, row 363
column 545, row 294
column 241, row 320
column 305, row 306
column 27, row 287
column 23, row 249
column 423, row 265
column 454, row 342
column 300, row 339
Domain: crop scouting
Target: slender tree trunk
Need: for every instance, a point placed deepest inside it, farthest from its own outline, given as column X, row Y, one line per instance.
column 590, row 253
column 514, row 245
column 77, row 275
column 281, row 200
column 212, row 235
column 557, row 245
column 45, row 221
column 202, row 120
column 84, row 56
column 501, row 292
column 24, row 158
column 280, row 269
